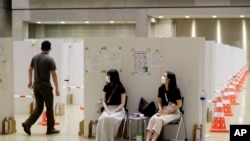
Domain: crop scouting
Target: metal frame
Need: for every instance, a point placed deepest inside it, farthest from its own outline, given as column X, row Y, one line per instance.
column 179, row 123
column 124, row 121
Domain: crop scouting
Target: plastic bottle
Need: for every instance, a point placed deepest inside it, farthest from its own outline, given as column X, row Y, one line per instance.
column 198, row 133
column 57, row 109
column 12, row 125
column 139, row 137
column 92, row 128
column 61, row 109
column 6, row 127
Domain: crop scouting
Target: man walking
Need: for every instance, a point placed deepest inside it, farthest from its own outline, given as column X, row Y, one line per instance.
column 43, row 66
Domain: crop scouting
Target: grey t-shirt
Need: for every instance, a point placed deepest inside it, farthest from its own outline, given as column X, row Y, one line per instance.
column 42, row 64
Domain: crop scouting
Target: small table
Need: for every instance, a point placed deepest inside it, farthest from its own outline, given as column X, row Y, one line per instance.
column 137, row 119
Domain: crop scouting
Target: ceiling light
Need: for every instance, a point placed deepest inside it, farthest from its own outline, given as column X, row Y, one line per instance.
column 111, row 22
column 86, row 22
column 187, row 16
column 38, row 22
column 153, row 20
column 160, row 17
column 62, row 22
column 242, row 16
column 214, row 16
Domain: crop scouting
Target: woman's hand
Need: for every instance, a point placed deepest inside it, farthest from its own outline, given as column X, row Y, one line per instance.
column 165, row 112
column 110, row 112
column 162, row 112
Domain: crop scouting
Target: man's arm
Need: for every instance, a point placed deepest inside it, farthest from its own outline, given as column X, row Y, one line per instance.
column 30, row 71
column 54, row 77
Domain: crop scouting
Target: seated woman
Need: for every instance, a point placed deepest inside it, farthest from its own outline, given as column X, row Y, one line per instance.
column 169, row 102
column 113, row 100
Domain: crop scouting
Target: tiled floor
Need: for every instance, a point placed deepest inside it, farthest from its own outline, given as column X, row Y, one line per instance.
column 69, row 123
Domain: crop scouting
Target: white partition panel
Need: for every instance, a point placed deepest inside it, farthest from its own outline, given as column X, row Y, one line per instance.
column 56, row 54
column 6, row 79
column 72, row 56
column 222, row 61
column 65, row 72
column 209, row 72
column 184, row 56
column 218, row 61
column 22, row 53
column 93, row 79
column 141, row 84
column 73, row 68
column 198, row 65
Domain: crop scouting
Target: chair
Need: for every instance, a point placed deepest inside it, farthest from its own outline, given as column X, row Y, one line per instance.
column 126, row 117
column 124, row 121
column 179, row 122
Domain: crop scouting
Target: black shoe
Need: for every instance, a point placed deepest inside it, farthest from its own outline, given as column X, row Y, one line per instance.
column 53, row 131
column 26, row 128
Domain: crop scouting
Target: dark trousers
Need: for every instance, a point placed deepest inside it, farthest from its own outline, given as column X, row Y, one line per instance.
column 43, row 94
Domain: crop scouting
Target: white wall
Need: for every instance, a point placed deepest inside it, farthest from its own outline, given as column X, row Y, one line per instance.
column 222, row 62
column 198, row 65
column 72, row 69
column 23, row 53
column 184, row 56
column 6, row 83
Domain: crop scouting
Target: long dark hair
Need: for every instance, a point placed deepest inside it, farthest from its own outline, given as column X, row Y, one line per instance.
column 114, row 77
column 172, row 84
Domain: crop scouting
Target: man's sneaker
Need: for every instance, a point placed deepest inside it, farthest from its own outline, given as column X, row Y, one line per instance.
column 26, row 128
column 53, row 131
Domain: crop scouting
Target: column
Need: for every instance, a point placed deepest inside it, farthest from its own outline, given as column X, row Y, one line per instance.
column 18, row 25
column 5, row 22
column 142, row 23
